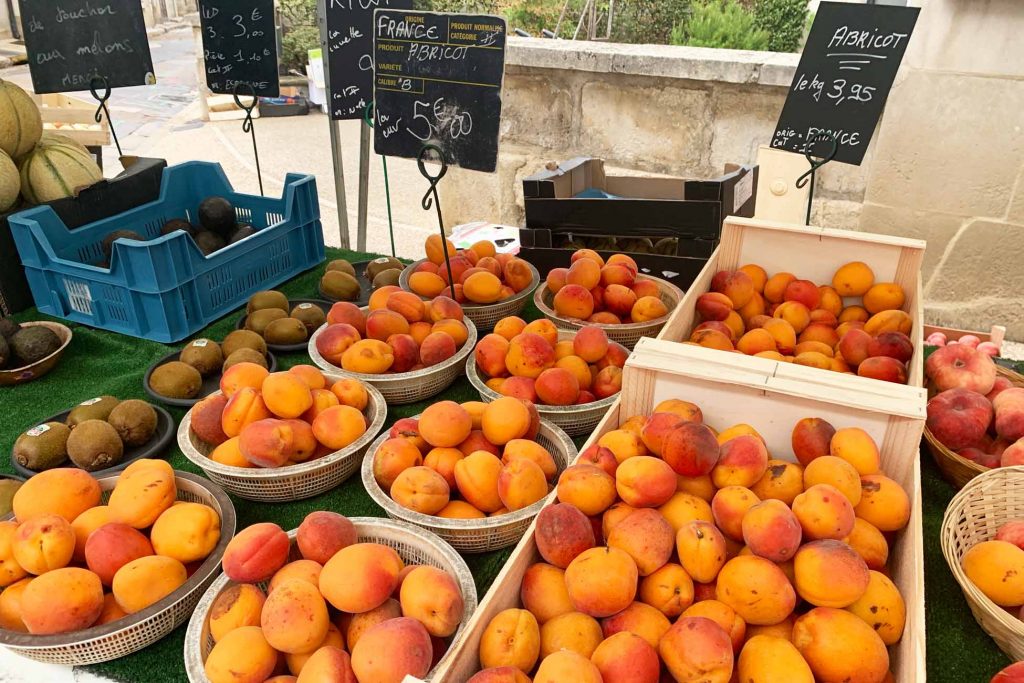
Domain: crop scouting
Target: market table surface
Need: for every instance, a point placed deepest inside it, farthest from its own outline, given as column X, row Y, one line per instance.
column 98, row 363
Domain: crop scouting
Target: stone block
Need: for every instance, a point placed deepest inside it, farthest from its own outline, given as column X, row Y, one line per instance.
column 935, row 228
column 536, row 110
column 984, row 265
column 743, row 119
column 979, row 315
column 838, row 214
column 947, row 34
column 1016, row 212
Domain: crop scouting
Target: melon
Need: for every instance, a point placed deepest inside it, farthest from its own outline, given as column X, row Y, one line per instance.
column 54, row 170
column 49, row 137
column 10, row 183
column 20, row 122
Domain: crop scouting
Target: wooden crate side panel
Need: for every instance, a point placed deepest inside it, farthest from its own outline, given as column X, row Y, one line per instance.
column 683, row 319
column 915, row 307
column 906, row 562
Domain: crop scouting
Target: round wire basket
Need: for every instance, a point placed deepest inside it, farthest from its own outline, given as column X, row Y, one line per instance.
column 574, row 420
column 628, row 334
column 399, row 388
column 485, row 316
column 975, row 514
column 293, row 482
column 143, row 628
column 414, row 545
column 474, row 535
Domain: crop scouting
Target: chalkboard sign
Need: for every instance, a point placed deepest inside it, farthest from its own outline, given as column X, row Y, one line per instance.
column 350, row 53
column 69, row 42
column 847, row 68
column 438, row 81
column 240, row 45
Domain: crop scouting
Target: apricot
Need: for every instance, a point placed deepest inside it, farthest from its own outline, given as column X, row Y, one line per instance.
column 742, row 462
column 256, row 553
column 505, row 419
column 145, row 581
column 697, row 649
column 647, row 537
column 645, row 481
column 369, row 357
column 443, row 461
column 543, row 591
column 360, row 577
column 753, row 308
column 393, row 457
column 619, row 300
column 45, row 543
column 883, row 503
column 736, row 431
column 611, row 517
column 626, row 658
column 512, row 638
column 348, row 313
column 392, row 650
column 572, row 631
column 836, row 472
column 490, row 354
column 587, row 488
column 580, row 371
column 339, row 426
column 241, row 656
column 782, row 333
column 883, row 368
column 839, row 646
column 302, row 570
column 144, row 490
column 521, row 483
column 432, row 597
column 458, row 509
column 328, row 663
column 237, row 606
column 528, row 450
column 712, row 339
column 426, row 284
column 405, row 351
column 476, row 477
column 522, row 388
column 882, row 607
column 64, row 491
column 775, row 287
column 756, row 341
column 558, row 387
column 439, row 346
column 335, row 340
column 869, row 543
column 556, row 279
column 529, row 354
column 782, row 481
column 421, row 490
column 10, row 606
column 206, row 419
column 811, row 439
column 765, row 659
column 607, row 382
column 476, row 412
column 418, row 331
column 602, row 581
column 656, row 428
column 407, row 305
column 729, row 507
column 824, row 513
column 772, row 531
column 574, row 301
column 691, row 449
column 853, row 279
column 322, row 400
column 994, row 567
column 668, row 589
column 756, row 589
column 830, row 574
column 437, row 247
column 286, row 394
column 684, row 409
column 723, row 615
column 482, row 288
column 355, row 625
column 794, row 313
column 242, row 375
column 445, row 424
column 294, row 617
column 702, row 550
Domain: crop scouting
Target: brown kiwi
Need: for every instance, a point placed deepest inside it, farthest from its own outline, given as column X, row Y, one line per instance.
column 257, row 321
column 378, row 266
column 243, row 339
column 341, row 265
column 286, row 331
column 43, row 447
column 340, row 286
column 204, row 355
column 246, row 355
column 387, row 277
column 268, row 299
column 94, row 409
column 95, row 445
column 134, row 421
column 176, row 380
column 310, row 315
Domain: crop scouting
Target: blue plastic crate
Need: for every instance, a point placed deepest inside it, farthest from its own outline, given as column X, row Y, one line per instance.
column 166, row 289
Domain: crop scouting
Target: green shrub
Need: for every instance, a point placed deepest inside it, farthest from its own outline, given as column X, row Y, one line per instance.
column 721, row 24
column 300, row 33
column 644, row 21
column 784, row 21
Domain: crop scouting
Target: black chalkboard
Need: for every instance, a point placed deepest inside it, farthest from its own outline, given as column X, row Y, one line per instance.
column 240, row 46
column 69, row 42
column 438, row 81
column 847, row 68
column 350, row 53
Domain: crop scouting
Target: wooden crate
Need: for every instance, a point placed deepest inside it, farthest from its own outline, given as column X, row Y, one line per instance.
column 730, row 394
column 814, row 254
column 73, row 117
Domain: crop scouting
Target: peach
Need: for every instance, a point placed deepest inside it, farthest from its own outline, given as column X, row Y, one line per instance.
column 505, row 419
column 256, row 553
column 647, row 537
column 691, row 449
column 335, row 340
column 811, row 439
column 436, row 348
column 1011, row 674
column 697, row 649
column 1009, row 414
column 543, row 591
column 393, row 457
column 355, row 625
column 427, row 284
column 893, row 344
column 626, row 658
column 960, row 366
column 856, row 447
column 512, row 638
column 836, row 472
column 772, row 531
column 405, row 351
column 855, row 346
column 648, row 308
column 242, row 375
column 369, row 356
column 186, row 531
column 1011, row 532
column 645, row 481
column 824, row 513
column 145, row 581
column 782, row 481
column 883, row 503
column 702, row 550
column 729, row 506
column 432, row 597
column 490, row 353
column 601, row 581
column 47, row 542
column 322, row 533
column 804, row 291
column 838, row 646
column 574, row 301
column 206, row 419
column 392, row 650
column 742, row 462
column 241, row 656
column 559, row 387
column 830, row 573
column 1000, row 385
column 572, row 631
column 521, row 483
column 794, row 313
column 347, row 312
column 882, row 607
column 556, row 279
column 765, row 658
column 339, row 426
column 421, row 490
column 883, row 368
column 756, row 589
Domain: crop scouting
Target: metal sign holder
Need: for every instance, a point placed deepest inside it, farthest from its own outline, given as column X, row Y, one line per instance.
column 430, row 199
column 247, row 124
column 816, row 163
column 339, row 169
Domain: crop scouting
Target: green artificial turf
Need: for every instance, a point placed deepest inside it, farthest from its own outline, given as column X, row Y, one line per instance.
column 100, row 362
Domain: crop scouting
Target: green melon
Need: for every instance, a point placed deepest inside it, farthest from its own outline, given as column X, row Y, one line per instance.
column 51, row 138
column 54, row 170
column 20, row 122
column 10, row 183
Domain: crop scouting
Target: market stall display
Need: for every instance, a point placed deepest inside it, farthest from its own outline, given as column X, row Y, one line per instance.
column 183, row 378
column 284, row 324
column 355, row 282
column 29, row 350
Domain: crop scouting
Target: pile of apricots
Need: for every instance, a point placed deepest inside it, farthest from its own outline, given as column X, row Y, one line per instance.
column 675, row 550
column 327, row 608
column 398, row 332
column 467, row 461
column 604, row 293
column 69, row 562
column 264, row 419
column 784, row 318
column 480, row 274
column 528, row 361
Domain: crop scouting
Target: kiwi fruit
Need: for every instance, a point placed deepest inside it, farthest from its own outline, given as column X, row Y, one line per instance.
column 243, row 339
column 95, row 445
column 176, row 224
column 204, row 355
column 209, row 242
column 217, row 214
column 176, row 380
column 32, row 344
column 257, row 321
column 379, row 265
column 311, row 315
column 341, row 265
column 5, row 352
column 134, row 421
column 286, row 331
column 246, row 355
column 94, row 409
column 43, row 447
column 8, row 487
column 603, row 243
column 340, row 286
column 636, row 245
column 388, row 277
column 668, row 246
column 267, row 299
column 108, row 241
column 8, row 327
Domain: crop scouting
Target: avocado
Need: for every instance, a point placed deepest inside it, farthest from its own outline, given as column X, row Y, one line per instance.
column 32, row 344
column 204, row 355
column 95, row 445
column 176, row 380
column 257, row 321
column 209, row 242
column 108, row 241
column 134, row 421
column 8, row 487
column 388, row 277
column 94, row 409
column 246, row 355
column 244, row 230
column 8, row 327
column 267, row 299
column 340, row 286
column 43, row 447
column 286, row 331
column 176, row 224
column 5, row 352
column 216, row 214
column 378, row 266
column 243, row 339
column 311, row 315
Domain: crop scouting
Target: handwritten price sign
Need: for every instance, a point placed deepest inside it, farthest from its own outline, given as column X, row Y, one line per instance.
column 239, row 45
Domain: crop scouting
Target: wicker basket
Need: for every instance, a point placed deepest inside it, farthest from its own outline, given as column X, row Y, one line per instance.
column 413, row 545
column 574, row 420
column 141, row 629
column 294, row 482
column 485, row 316
column 627, row 335
column 399, row 388
column 474, row 535
column 956, row 469
column 974, row 515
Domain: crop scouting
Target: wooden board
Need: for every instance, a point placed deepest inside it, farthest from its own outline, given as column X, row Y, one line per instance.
column 73, row 117
column 815, row 254
column 729, row 394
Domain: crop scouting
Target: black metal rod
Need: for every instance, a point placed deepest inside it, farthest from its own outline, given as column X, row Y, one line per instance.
column 431, row 199
column 816, row 163
column 101, row 111
column 247, row 124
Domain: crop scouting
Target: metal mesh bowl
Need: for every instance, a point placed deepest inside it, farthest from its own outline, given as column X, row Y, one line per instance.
column 413, row 545
column 141, row 629
column 294, row 482
column 474, row 535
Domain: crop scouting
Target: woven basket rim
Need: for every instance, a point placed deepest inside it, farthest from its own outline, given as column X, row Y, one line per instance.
column 553, row 432
column 194, row 664
column 207, row 464
column 396, row 377
column 209, row 567
column 664, row 286
column 403, row 282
